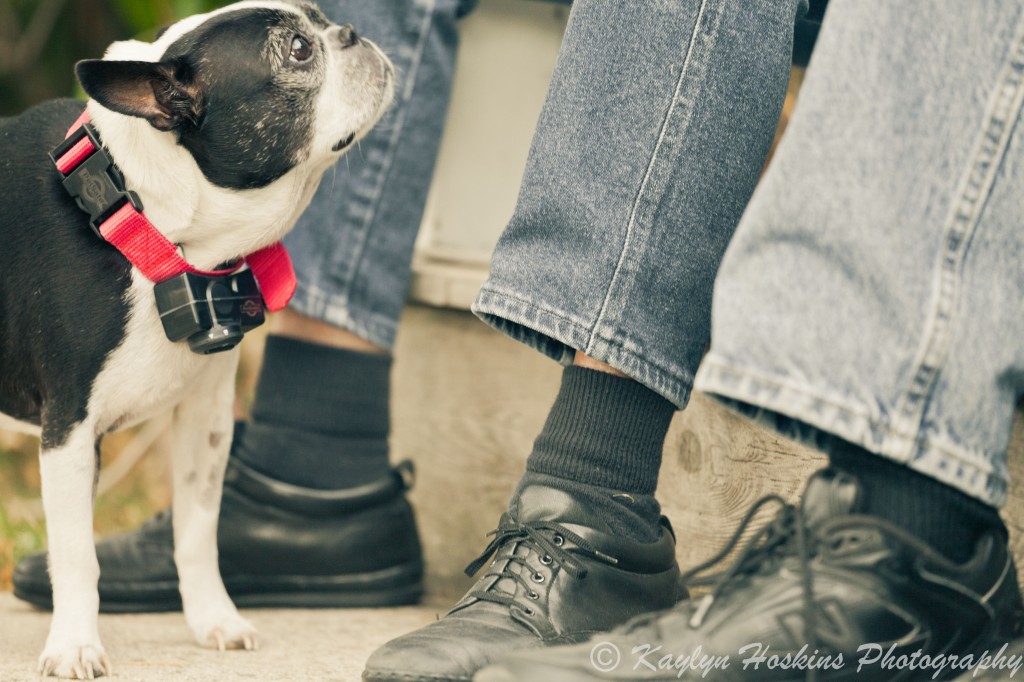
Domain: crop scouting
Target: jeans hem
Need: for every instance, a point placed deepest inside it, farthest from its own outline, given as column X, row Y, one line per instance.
column 337, row 310
column 790, row 407
column 558, row 336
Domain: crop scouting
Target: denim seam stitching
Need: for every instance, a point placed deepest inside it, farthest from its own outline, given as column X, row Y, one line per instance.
column 924, row 443
column 661, row 377
column 590, row 334
column 722, row 365
column 647, row 176
column 975, row 189
column 657, row 377
column 399, row 125
column 919, row 442
column 498, row 291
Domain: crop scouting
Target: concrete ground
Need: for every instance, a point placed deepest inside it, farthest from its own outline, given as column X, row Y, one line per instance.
column 467, row 404
column 308, row 645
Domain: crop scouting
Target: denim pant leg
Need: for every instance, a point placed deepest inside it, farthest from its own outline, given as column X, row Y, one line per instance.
column 875, row 287
column 657, row 122
column 353, row 246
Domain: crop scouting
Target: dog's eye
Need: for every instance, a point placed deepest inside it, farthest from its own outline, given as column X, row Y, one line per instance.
column 301, row 50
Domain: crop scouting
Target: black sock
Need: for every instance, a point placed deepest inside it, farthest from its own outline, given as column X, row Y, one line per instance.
column 602, row 443
column 320, row 418
column 940, row 515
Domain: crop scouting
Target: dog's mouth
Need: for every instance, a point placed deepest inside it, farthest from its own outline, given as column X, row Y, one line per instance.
column 344, row 143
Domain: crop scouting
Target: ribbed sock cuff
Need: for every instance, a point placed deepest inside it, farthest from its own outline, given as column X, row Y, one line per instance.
column 320, row 418
column 312, row 460
column 319, row 388
column 945, row 518
column 603, row 430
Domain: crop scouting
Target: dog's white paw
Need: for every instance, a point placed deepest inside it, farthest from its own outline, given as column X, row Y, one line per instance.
column 76, row 662
column 229, row 631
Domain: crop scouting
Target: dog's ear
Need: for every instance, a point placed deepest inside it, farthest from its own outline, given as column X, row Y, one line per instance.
column 162, row 93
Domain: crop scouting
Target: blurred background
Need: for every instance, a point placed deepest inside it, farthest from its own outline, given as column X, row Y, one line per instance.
column 40, row 40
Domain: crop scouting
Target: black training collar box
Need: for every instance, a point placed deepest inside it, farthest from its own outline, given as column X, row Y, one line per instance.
column 213, row 313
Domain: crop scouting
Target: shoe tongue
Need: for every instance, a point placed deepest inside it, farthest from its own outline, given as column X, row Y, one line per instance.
column 544, row 503
column 830, row 493
column 538, row 502
column 508, row 585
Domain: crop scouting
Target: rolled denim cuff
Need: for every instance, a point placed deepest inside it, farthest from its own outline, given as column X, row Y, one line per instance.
column 557, row 335
column 810, row 416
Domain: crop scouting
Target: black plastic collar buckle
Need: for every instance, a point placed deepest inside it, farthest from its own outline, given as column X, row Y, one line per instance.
column 96, row 184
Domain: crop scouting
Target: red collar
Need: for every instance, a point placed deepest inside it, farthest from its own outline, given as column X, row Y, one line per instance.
column 95, row 182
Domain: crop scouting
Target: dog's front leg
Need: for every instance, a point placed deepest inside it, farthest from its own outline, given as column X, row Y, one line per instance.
column 200, row 447
column 68, row 471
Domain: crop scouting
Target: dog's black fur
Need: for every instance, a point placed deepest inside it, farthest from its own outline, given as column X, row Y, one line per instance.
column 62, row 307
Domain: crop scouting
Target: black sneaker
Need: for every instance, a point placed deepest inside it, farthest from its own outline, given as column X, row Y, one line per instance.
column 558, row 576
column 280, row 546
column 821, row 590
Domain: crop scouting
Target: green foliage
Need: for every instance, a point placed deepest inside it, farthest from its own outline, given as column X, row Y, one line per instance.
column 17, row 538
column 144, row 490
column 146, row 17
column 20, row 534
column 38, row 64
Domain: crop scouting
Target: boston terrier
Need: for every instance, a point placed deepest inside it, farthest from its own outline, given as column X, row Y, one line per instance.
column 139, row 238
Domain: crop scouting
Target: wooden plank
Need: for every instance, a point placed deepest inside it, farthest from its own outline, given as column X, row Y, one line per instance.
column 468, row 403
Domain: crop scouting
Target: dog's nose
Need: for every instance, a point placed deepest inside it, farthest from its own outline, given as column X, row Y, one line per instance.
column 348, row 36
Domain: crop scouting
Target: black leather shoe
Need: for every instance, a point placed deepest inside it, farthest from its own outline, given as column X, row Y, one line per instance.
column 558, row 576
column 280, row 546
column 816, row 583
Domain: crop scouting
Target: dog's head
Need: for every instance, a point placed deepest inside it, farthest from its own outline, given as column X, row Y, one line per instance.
column 252, row 90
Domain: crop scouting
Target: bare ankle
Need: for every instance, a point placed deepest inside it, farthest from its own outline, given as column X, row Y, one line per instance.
column 588, row 362
column 298, row 326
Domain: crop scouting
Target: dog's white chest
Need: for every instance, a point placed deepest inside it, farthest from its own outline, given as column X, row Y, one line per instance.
column 147, row 373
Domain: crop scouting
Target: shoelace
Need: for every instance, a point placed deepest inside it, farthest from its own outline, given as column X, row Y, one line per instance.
column 545, row 537
column 771, row 542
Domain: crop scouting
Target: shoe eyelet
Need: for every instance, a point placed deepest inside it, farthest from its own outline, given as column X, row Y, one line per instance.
column 528, row 611
column 546, row 559
column 537, row 578
column 532, row 595
column 558, row 540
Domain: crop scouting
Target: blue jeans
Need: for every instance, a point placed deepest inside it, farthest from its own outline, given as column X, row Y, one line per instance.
column 352, row 247
column 874, row 290
column 656, row 126
column 875, row 287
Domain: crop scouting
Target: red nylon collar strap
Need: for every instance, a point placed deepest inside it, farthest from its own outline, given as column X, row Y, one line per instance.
column 131, row 233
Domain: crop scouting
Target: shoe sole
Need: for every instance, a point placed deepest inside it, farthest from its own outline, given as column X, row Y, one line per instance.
column 411, row 677
column 395, row 586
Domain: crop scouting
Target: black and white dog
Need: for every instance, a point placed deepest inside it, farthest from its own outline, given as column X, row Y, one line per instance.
column 222, row 128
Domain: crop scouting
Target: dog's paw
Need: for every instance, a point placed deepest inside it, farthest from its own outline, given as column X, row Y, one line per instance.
column 76, row 662
column 230, row 631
